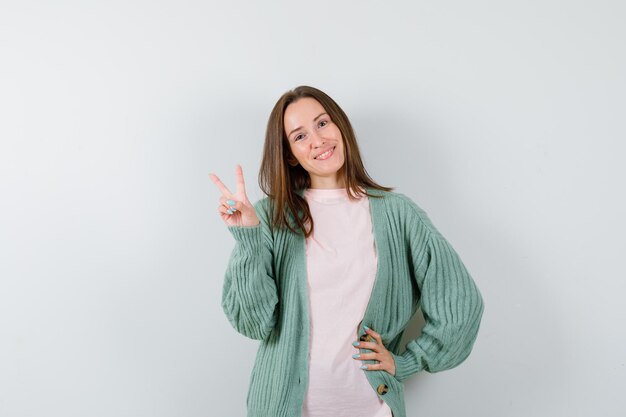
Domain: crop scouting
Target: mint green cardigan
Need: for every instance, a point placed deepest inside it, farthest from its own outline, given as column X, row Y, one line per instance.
column 265, row 297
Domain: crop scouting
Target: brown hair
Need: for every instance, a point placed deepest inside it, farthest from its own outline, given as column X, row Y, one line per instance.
column 281, row 181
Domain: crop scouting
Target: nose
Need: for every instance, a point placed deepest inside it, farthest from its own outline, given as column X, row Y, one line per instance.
column 316, row 139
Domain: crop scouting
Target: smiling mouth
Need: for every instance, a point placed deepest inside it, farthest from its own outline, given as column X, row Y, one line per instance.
column 326, row 154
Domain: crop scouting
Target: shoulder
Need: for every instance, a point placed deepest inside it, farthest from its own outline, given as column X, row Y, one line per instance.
column 408, row 210
column 261, row 203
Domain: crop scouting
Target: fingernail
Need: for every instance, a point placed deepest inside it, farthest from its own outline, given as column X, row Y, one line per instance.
column 230, row 202
column 355, row 343
column 366, row 328
column 229, row 211
column 356, row 355
column 363, row 366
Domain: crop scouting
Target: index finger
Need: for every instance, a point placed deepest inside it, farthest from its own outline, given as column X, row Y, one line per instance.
column 241, row 187
column 225, row 191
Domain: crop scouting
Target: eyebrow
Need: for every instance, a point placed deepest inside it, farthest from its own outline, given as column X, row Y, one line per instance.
column 297, row 128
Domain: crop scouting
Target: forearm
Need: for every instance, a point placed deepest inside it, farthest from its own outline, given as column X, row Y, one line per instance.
column 249, row 296
column 452, row 307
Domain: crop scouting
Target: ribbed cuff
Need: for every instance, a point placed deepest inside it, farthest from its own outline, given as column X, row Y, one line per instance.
column 405, row 366
column 247, row 235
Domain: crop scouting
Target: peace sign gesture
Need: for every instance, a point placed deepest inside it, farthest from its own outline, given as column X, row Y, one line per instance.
column 235, row 209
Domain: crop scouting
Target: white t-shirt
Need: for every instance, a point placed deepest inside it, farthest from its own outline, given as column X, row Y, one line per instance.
column 341, row 268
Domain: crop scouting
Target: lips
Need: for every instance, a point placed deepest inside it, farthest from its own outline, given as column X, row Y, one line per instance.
column 325, row 150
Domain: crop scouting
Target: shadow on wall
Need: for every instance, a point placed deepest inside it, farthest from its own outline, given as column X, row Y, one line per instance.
column 413, row 330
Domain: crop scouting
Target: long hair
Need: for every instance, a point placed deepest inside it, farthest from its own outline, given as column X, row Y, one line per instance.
column 281, row 181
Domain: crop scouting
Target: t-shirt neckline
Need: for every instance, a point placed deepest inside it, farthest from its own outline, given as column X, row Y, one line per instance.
column 326, row 195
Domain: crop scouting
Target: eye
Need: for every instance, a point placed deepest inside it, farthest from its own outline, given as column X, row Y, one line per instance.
column 295, row 139
column 324, row 121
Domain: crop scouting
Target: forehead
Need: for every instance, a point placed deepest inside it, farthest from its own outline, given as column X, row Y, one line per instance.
column 301, row 112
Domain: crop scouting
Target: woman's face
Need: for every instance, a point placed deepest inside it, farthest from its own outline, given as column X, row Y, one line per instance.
column 310, row 133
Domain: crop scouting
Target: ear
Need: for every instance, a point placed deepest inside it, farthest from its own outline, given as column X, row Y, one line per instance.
column 292, row 161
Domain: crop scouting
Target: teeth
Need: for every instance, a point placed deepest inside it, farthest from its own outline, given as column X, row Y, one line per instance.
column 325, row 153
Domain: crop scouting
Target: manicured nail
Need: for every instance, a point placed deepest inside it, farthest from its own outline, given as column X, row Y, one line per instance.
column 366, row 328
column 363, row 366
column 356, row 355
column 355, row 343
column 229, row 211
column 230, row 202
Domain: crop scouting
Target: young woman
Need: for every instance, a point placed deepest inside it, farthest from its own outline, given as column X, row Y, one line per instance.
column 329, row 268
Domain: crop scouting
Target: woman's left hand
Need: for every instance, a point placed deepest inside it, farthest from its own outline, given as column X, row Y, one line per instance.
column 380, row 354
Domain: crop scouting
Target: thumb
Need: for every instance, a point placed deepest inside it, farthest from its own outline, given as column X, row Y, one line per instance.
column 238, row 205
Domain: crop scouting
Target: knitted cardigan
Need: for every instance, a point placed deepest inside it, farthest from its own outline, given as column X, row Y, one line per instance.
column 265, row 297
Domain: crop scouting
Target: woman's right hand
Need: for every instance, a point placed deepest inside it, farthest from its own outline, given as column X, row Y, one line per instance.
column 244, row 215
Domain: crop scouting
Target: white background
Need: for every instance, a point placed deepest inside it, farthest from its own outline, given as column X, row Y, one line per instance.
column 504, row 120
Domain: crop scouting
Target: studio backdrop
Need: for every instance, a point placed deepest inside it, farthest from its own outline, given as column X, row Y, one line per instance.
column 503, row 120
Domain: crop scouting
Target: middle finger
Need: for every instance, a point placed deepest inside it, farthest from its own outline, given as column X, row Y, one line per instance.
column 373, row 356
column 367, row 345
column 225, row 191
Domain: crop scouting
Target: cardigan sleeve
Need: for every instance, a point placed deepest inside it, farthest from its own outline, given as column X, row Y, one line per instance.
column 450, row 301
column 249, row 294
